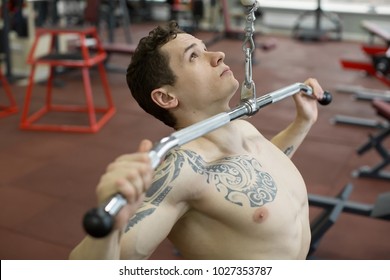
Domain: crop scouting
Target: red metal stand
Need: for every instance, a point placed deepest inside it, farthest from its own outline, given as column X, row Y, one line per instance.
column 368, row 66
column 83, row 59
column 12, row 108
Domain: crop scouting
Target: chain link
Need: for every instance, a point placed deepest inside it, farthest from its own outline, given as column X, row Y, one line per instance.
column 248, row 92
column 248, row 46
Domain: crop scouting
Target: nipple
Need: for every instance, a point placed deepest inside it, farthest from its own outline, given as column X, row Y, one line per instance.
column 260, row 215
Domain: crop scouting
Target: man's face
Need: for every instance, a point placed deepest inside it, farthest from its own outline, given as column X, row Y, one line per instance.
column 204, row 82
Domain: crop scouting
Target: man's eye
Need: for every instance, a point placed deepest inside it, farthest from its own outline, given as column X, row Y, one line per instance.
column 193, row 55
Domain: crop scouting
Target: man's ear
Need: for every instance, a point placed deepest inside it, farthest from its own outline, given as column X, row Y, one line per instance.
column 164, row 99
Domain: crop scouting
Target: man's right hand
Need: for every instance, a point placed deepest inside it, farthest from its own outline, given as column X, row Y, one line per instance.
column 130, row 175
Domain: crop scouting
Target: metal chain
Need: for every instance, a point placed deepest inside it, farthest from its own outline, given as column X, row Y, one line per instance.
column 248, row 92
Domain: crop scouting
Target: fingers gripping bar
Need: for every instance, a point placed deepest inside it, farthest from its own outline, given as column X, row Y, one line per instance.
column 99, row 222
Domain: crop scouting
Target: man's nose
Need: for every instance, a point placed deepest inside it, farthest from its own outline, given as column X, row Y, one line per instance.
column 217, row 58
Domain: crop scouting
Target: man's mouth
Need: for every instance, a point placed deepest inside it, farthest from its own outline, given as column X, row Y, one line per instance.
column 227, row 69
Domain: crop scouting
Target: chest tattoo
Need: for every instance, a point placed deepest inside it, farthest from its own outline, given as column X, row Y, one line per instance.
column 239, row 178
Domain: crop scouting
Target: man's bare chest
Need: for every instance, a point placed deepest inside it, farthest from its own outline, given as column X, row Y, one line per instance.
column 239, row 179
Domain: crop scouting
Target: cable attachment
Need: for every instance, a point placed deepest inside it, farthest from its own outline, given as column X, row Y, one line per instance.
column 248, row 98
column 248, row 92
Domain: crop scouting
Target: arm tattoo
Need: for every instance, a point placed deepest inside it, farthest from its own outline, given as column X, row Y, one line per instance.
column 239, row 178
column 289, row 150
column 139, row 216
column 160, row 188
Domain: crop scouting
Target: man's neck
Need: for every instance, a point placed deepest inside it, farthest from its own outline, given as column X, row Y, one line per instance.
column 190, row 118
column 226, row 140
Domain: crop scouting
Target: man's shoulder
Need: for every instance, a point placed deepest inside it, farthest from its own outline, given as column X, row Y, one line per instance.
column 244, row 124
column 247, row 128
column 175, row 162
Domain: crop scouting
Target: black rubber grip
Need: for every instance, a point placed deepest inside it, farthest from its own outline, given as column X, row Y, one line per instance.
column 326, row 99
column 98, row 223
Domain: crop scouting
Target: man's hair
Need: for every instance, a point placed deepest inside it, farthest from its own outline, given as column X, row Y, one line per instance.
column 149, row 69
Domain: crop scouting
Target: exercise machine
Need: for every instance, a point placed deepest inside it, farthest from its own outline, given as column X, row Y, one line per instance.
column 11, row 107
column 187, row 13
column 334, row 206
column 382, row 123
column 99, row 221
column 376, row 142
column 317, row 32
column 376, row 65
column 92, row 14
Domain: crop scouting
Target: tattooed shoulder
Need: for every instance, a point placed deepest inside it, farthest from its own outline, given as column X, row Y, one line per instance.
column 166, row 173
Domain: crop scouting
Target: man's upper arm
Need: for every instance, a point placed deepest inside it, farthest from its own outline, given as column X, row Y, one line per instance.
column 162, row 207
column 147, row 229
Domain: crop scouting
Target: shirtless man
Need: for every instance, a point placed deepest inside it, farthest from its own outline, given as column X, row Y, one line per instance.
column 232, row 193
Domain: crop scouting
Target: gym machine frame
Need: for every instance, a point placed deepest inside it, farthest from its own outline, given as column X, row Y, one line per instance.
column 317, row 32
column 377, row 66
column 334, row 206
column 377, row 142
column 98, row 222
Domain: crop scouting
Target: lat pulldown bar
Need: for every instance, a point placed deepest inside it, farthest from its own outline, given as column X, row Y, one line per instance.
column 98, row 222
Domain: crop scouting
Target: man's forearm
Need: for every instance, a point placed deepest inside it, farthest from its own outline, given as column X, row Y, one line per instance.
column 289, row 139
column 97, row 249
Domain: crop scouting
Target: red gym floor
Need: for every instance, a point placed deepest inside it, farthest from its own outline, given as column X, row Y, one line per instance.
column 48, row 179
